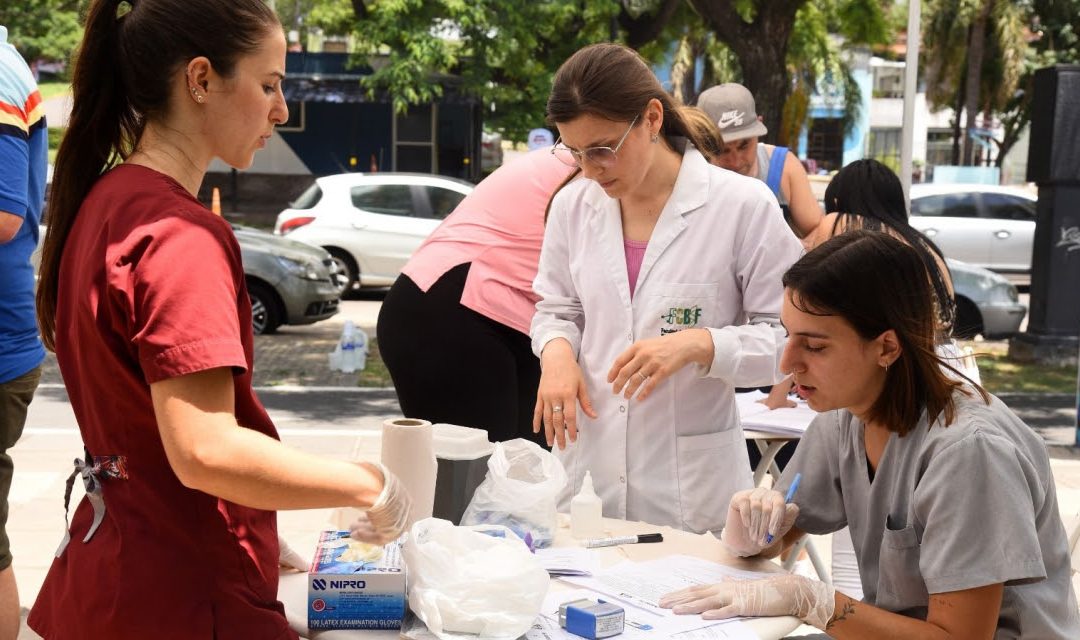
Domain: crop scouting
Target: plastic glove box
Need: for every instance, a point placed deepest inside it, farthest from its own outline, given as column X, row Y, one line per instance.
column 355, row 594
column 462, row 454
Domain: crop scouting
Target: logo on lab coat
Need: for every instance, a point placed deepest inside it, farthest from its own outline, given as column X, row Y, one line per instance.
column 679, row 318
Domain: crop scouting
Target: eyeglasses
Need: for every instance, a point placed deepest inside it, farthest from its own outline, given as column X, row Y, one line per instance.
column 603, row 157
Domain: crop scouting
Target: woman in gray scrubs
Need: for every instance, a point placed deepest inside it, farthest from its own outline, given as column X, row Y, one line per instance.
column 948, row 495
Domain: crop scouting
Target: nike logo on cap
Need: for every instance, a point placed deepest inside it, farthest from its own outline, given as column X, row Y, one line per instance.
column 729, row 118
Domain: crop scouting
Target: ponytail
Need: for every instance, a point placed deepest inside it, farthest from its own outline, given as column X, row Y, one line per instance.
column 123, row 77
column 100, row 132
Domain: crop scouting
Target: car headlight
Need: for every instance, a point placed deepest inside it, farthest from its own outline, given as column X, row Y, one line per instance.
column 301, row 268
column 1003, row 293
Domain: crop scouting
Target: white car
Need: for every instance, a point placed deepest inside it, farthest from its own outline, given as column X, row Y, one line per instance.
column 984, row 225
column 371, row 223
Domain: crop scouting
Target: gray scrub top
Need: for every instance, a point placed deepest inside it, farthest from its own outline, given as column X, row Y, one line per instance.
column 950, row 508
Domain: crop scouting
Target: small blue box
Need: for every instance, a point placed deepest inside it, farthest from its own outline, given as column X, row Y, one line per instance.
column 355, row 595
column 594, row 620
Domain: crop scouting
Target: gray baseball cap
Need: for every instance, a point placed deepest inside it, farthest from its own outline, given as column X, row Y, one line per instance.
column 731, row 106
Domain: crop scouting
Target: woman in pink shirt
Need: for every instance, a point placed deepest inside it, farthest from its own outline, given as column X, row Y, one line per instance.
column 454, row 328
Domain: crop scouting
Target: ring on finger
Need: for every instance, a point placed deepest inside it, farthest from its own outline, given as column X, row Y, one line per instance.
column 644, row 378
column 557, row 408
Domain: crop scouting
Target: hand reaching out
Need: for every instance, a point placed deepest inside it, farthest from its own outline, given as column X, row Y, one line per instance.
column 784, row 595
column 387, row 518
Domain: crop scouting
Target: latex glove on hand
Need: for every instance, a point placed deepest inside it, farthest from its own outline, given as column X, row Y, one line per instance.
column 809, row 600
column 389, row 516
column 290, row 559
column 752, row 515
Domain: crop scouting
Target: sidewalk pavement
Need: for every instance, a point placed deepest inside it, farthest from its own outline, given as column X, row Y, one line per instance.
column 323, row 412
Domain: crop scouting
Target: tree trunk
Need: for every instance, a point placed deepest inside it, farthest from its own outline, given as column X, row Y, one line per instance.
column 956, row 121
column 976, row 48
column 761, row 47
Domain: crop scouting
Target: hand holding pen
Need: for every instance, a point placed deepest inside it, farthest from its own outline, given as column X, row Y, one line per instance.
column 755, row 517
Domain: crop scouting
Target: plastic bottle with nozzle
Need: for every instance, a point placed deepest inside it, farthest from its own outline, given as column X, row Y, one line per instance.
column 586, row 511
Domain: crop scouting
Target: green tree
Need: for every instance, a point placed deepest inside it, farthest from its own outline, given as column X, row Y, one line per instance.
column 48, row 29
column 501, row 52
column 505, row 51
column 974, row 57
column 1055, row 38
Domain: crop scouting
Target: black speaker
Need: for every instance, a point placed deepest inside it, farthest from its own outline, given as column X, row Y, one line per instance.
column 1054, row 152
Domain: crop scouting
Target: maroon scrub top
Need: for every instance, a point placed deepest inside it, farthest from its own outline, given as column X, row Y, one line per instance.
column 152, row 287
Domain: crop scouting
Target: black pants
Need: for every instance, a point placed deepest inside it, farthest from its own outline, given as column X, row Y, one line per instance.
column 451, row 364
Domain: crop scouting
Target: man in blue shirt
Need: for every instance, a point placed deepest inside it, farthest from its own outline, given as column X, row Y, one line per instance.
column 24, row 146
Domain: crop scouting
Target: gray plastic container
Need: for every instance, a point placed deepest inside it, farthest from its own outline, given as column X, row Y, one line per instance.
column 462, row 454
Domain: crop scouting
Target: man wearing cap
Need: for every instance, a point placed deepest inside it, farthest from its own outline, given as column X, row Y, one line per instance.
column 732, row 107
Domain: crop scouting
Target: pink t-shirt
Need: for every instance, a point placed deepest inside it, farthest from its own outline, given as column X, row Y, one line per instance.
column 635, row 252
column 499, row 228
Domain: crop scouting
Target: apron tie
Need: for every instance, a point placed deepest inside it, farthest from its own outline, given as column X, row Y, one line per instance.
column 93, row 471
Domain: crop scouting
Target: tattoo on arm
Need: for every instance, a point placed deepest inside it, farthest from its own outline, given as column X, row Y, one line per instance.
column 847, row 610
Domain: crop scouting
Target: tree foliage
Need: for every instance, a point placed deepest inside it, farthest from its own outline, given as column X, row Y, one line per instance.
column 505, row 51
column 1020, row 37
column 502, row 52
column 47, row 29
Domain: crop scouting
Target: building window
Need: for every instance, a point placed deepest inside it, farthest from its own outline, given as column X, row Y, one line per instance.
column 939, row 147
column 825, row 143
column 884, row 146
column 414, row 141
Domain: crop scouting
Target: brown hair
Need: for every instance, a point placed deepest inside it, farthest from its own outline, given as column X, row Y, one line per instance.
column 123, row 77
column 708, row 134
column 614, row 82
column 876, row 282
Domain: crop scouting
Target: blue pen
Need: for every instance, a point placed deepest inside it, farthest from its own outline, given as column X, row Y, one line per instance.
column 787, row 499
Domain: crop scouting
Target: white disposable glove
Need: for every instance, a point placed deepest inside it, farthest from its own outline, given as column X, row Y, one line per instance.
column 810, row 600
column 752, row 515
column 289, row 558
column 389, row 516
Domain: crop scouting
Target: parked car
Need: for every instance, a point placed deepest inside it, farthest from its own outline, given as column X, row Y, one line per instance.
column 986, row 303
column 985, row 225
column 289, row 282
column 371, row 223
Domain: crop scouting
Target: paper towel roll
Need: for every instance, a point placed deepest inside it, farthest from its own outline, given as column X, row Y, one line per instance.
column 408, row 450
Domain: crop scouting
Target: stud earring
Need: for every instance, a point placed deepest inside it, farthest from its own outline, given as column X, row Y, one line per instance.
column 655, row 138
column 195, row 94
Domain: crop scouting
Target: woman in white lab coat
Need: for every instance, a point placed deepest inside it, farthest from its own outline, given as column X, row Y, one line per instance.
column 660, row 292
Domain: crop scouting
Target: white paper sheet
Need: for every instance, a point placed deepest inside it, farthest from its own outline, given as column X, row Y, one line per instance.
column 755, row 416
column 640, row 624
column 642, row 584
column 568, row 561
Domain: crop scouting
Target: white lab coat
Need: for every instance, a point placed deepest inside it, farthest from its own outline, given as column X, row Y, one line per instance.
column 715, row 260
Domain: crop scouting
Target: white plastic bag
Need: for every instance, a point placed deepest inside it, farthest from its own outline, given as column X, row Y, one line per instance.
column 520, row 492
column 350, row 354
column 468, row 584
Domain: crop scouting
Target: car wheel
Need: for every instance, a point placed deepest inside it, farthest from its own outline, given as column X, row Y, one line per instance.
column 346, row 264
column 968, row 322
column 265, row 309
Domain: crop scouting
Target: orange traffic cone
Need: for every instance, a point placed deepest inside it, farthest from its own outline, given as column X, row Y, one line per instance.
column 215, row 201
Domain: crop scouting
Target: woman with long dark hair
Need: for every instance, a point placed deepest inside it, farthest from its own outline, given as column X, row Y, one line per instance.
column 142, row 297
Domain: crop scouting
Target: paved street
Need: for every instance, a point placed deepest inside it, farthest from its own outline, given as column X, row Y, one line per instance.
column 323, row 412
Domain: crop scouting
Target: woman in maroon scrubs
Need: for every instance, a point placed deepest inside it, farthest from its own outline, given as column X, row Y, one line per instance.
column 142, row 296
